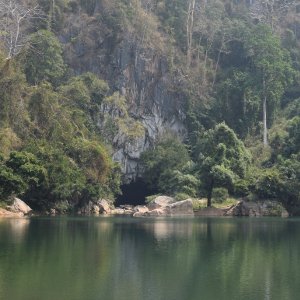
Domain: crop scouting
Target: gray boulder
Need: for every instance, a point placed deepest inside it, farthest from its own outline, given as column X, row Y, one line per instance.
column 167, row 207
column 118, row 211
column 141, row 209
column 95, row 210
column 257, row 209
column 104, row 207
column 158, row 212
column 4, row 213
column 181, row 208
column 19, row 206
column 160, row 201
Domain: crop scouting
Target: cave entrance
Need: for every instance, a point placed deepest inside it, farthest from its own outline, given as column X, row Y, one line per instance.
column 134, row 193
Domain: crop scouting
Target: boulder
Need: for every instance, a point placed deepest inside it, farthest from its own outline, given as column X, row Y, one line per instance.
column 95, row 209
column 52, row 212
column 9, row 214
column 127, row 206
column 140, row 209
column 257, row 209
column 165, row 206
column 158, row 212
column 160, row 201
column 19, row 206
column 104, row 207
column 117, row 211
column 128, row 209
column 138, row 214
column 181, row 208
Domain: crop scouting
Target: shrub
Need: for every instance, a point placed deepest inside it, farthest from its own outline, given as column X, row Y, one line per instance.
column 241, row 188
column 268, row 184
column 181, row 196
column 219, row 195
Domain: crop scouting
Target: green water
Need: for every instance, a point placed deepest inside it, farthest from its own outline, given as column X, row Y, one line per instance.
column 151, row 259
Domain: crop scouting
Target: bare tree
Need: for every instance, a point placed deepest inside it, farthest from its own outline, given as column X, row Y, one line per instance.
column 13, row 17
column 189, row 30
column 271, row 12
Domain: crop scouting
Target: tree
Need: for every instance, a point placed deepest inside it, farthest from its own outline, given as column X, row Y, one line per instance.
column 271, row 12
column 20, row 173
column 289, row 171
column 10, row 183
column 222, row 159
column 27, row 166
column 13, row 15
column 159, row 163
column 272, row 68
column 13, row 88
column 54, row 11
column 43, row 58
column 189, row 30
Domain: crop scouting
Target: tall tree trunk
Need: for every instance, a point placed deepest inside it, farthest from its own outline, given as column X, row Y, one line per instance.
column 218, row 61
column 189, row 31
column 209, row 195
column 265, row 132
column 265, row 122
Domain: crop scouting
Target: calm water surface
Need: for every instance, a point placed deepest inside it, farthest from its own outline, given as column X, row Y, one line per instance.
column 149, row 259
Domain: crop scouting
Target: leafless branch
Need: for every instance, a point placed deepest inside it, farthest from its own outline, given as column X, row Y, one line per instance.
column 271, row 12
column 13, row 17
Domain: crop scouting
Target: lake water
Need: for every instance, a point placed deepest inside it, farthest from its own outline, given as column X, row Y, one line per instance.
column 149, row 259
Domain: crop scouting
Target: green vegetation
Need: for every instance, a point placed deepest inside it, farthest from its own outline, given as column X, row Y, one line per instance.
column 222, row 159
column 43, row 59
column 52, row 152
column 234, row 69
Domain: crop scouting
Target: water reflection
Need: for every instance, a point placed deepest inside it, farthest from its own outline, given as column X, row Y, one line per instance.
column 19, row 228
column 166, row 229
column 126, row 258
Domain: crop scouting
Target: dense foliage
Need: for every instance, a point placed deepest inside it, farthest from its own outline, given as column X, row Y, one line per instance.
column 52, row 153
column 236, row 65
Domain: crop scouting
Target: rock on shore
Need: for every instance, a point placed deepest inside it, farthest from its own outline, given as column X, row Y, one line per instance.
column 244, row 208
column 167, row 206
column 160, row 206
column 17, row 209
column 257, row 209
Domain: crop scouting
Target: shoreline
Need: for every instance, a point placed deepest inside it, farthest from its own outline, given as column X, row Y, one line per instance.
column 161, row 206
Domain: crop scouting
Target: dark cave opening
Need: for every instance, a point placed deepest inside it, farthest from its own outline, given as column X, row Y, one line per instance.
column 134, row 193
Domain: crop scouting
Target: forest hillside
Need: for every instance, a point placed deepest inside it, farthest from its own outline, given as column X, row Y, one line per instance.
column 195, row 98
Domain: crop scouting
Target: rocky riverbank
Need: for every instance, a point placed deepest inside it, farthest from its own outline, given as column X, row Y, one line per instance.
column 168, row 206
column 161, row 206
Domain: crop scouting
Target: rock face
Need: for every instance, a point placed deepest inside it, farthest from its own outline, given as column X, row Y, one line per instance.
column 257, row 209
column 102, row 206
column 19, row 206
column 138, row 71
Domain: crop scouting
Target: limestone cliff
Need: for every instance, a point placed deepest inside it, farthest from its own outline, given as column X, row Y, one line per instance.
column 138, row 68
